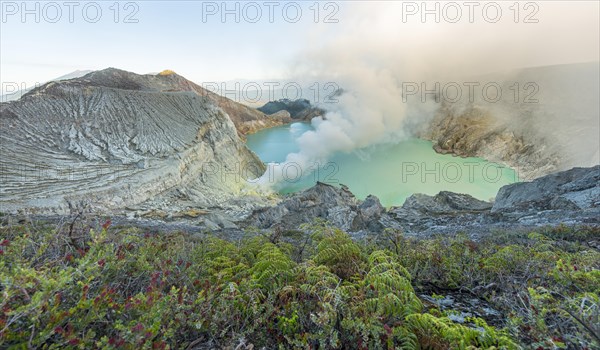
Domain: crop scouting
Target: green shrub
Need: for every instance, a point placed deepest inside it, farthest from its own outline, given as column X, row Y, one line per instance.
column 122, row 288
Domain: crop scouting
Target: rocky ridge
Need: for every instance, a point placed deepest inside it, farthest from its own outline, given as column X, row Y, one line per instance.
column 116, row 139
column 15, row 95
column 474, row 132
column 570, row 197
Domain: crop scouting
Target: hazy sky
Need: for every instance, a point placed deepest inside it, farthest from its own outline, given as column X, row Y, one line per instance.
column 191, row 38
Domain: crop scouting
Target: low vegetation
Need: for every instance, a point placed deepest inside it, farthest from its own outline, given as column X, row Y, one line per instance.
column 313, row 288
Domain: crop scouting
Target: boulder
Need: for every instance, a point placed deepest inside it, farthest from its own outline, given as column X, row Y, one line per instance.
column 336, row 205
column 574, row 189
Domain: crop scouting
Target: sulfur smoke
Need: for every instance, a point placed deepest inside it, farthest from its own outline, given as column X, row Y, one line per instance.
column 373, row 51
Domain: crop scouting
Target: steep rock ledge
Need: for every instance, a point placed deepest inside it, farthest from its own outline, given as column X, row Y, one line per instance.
column 476, row 133
column 300, row 109
column 546, row 119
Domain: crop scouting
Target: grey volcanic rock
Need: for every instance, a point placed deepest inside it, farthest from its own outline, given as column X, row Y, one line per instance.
column 571, row 197
column 578, row 188
column 446, row 202
column 118, row 139
column 423, row 213
column 246, row 119
column 420, row 206
column 336, row 205
column 475, row 131
column 371, row 207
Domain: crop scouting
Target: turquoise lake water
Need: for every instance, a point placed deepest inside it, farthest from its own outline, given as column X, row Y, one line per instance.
column 391, row 172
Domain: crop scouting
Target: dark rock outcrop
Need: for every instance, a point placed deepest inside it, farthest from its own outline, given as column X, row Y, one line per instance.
column 300, row 109
column 523, row 207
column 571, row 197
column 574, row 189
column 336, row 205
column 446, row 202
column 419, row 207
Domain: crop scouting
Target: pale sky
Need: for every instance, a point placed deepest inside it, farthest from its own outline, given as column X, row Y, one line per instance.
column 190, row 37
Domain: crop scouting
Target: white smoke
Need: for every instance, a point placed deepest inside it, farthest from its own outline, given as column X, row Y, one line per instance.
column 371, row 52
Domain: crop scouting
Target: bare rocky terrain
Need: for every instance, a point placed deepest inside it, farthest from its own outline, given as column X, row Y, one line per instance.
column 117, row 140
column 570, row 197
column 14, row 95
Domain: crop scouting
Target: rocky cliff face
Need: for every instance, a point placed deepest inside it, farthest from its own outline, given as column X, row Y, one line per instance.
column 570, row 197
column 552, row 124
column 245, row 119
column 119, row 139
column 475, row 132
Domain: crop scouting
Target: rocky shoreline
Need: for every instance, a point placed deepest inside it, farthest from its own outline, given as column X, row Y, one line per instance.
column 570, row 197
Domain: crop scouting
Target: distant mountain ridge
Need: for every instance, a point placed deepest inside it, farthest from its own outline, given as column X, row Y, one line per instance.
column 300, row 109
column 17, row 94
